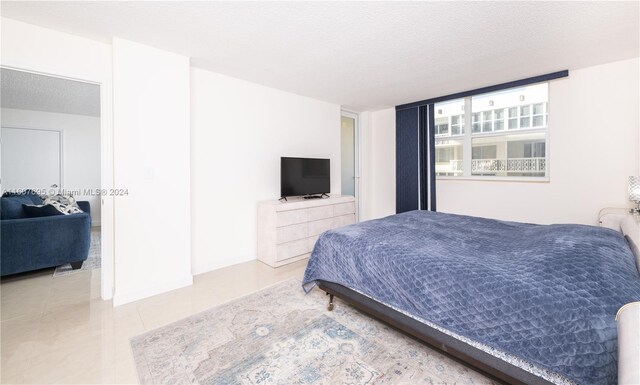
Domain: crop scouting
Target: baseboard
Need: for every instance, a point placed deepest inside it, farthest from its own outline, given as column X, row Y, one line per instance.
column 217, row 264
column 123, row 298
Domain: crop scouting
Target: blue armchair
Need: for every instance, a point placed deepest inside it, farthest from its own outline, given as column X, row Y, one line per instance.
column 37, row 243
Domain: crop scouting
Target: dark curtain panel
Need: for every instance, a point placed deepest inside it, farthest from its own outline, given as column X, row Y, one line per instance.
column 407, row 159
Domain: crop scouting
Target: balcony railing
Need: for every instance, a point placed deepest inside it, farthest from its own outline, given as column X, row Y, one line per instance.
column 498, row 166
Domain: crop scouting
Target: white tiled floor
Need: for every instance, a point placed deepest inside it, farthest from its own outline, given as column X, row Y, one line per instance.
column 58, row 330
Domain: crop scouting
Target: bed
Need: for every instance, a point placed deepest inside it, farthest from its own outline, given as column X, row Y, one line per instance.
column 523, row 303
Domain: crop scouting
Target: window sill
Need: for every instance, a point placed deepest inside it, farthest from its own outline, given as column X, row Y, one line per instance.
column 541, row 179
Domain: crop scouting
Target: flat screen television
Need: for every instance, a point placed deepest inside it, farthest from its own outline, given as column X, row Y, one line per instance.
column 304, row 176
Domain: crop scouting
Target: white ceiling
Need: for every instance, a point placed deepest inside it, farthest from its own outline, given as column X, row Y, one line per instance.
column 363, row 55
column 29, row 91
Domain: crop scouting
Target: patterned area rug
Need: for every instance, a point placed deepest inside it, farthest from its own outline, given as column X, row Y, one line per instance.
column 94, row 260
column 282, row 336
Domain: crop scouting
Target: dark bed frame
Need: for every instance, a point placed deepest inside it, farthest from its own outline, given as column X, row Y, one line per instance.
column 468, row 355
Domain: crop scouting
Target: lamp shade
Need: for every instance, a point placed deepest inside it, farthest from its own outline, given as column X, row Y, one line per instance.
column 634, row 188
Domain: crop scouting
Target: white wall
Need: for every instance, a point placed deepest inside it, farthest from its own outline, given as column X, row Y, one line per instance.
column 594, row 147
column 26, row 46
column 239, row 131
column 81, row 148
column 151, row 141
column 29, row 47
column 378, row 146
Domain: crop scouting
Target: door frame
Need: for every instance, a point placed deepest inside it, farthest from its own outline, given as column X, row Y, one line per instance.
column 60, row 132
column 107, row 242
column 356, row 144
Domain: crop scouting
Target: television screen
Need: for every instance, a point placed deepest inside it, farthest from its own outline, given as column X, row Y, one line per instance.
column 304, row 176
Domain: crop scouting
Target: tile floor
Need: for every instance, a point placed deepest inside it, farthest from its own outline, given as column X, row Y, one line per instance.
column 59, row 331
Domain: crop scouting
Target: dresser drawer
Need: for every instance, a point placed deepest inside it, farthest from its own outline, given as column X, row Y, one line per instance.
column 344, row 208
column 288, row 231
column 344, row 220
column 291, row 233
column 319, row 227
column 292, row 249
column 322, row 212
column 291, row 217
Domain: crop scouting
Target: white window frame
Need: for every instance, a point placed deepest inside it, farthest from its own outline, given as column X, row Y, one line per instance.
column 467, row 143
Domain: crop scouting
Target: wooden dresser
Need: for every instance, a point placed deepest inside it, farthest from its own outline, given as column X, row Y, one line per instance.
column 287, row 231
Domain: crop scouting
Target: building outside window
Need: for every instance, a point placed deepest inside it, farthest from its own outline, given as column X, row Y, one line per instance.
column 449, row 144
column 508, row 136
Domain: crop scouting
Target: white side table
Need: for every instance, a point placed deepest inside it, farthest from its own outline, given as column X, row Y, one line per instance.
column 612, row 217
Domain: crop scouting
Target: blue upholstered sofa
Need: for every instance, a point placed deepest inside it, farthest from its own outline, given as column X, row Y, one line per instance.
column 36, row 243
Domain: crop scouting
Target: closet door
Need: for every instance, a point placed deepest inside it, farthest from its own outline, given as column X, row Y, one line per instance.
column 31, row 159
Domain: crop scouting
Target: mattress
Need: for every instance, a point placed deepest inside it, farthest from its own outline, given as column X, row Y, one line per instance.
column 543, row 297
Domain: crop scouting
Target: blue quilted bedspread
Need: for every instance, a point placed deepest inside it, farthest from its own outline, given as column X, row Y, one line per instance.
column 547, row 294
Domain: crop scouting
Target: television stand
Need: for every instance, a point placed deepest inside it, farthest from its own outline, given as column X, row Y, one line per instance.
column 287, row 231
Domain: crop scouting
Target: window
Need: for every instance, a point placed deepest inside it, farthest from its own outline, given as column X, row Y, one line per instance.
column 442, row 126
column 539, row 114
column 483, row 157
column 457, row 125
column 445, row 154
column 483, row 152
column 513, row 118
column 476, row 122
column 448, row 157
column 487, row 121
column 449, row 144
column 508, row 136
column 449, row 114
column 534, row 150
column 525, row 116
column 498, row 123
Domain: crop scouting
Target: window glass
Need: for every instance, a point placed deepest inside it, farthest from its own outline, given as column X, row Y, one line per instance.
column 513, row 118
column 525, row 120
column 476, row 122
column 498, row 121
column 537, row 109
column 538, row 115
column 449, row 141
column 508, row 135
column 538, row 121
column 442, row 126
column 449, row 118
column 487, row 121
column 449, row 157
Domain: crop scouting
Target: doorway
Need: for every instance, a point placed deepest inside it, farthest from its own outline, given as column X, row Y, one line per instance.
column 349, row 155
column 51, row 151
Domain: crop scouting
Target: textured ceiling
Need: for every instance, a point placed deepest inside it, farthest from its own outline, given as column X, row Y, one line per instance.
column 29, row 91
column 363, row 55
